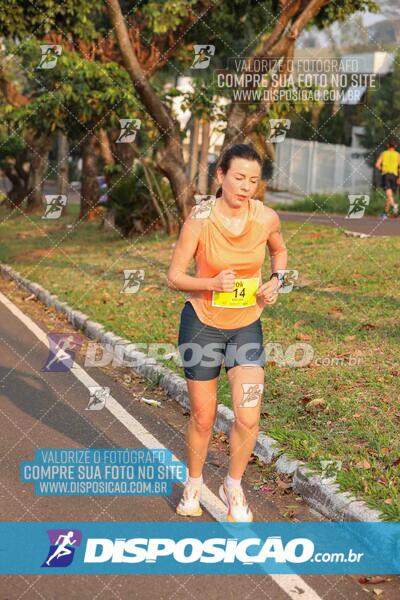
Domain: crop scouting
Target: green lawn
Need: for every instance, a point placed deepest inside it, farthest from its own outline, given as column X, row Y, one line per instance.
column 346, row 307
column 335, row 203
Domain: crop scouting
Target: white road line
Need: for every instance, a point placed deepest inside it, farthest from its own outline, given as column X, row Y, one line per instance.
column 209, row 500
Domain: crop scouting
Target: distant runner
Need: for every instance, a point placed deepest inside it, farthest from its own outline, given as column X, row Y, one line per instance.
column 388, row 163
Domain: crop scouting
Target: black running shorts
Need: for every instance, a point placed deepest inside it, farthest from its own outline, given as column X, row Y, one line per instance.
column 389, row 181
column 202, row 348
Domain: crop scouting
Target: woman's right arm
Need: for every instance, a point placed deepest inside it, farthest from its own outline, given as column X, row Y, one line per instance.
column 184, row 251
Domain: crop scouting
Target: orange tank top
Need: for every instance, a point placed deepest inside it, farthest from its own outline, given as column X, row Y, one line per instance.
column 220, row 249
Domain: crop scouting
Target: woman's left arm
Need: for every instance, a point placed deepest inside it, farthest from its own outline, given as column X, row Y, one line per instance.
column 268, row 292
column 276, row 245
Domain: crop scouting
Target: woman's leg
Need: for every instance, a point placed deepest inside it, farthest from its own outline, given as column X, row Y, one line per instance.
column 203, row 402
column 247, row 387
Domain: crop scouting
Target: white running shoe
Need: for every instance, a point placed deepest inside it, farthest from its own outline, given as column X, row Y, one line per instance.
column 189, row 505
column 234, row 498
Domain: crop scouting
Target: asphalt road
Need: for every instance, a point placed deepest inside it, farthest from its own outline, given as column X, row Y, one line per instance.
column 43, row 410
column 373, row 226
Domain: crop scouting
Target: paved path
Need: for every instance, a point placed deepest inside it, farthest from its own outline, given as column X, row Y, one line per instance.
column 367, row 225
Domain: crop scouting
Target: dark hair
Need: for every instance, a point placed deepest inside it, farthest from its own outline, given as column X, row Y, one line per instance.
column 236, row 151
column 391, row 143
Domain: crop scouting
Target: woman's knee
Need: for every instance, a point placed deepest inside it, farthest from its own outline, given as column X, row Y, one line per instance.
column 203, row 421
column 249, row 423
column 203, row 403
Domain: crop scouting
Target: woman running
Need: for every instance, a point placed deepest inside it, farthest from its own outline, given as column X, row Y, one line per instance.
column 220, row 321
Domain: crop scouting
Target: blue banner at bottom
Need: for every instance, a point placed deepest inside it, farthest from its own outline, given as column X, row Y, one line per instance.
column 199, row 548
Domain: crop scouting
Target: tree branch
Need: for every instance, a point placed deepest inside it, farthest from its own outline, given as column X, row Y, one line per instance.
column 277, row 46
column 311, row 9
column 289, row 10
column 152, row 102
column 11, row 93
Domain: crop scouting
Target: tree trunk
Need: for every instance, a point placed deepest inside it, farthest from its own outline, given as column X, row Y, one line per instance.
column 124, row 155
column 89, row 188
column 62, row 162
column 154, row 199
column 105, row 147
column 170, row 157
column 170, row 162
column 194, row 149
column 107, row 155
column 315, row 112
column 203, row 164
column 172, row 226
column 109, row 220
column 39, row 157
column 19, row 182
column 234, row 128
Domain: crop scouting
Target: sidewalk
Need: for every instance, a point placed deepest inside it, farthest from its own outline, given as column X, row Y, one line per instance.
column 367, row 226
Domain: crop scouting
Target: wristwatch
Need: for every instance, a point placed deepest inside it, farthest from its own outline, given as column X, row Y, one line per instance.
column 280, row 277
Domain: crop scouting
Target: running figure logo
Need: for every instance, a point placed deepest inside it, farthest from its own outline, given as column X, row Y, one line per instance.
column 204, row 203
column 129, row 129
column 202, row 55
column 329, row 468
column 50, row 54
column 54, row 206
column 287, row 279
column 61, row 551
column 98, row 397
column 358, row 204
column 132, row 280
column 252, row 394
column 62, row 349
column 278, row 129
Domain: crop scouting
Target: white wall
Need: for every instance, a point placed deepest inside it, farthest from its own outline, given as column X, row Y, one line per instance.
column 306, row 167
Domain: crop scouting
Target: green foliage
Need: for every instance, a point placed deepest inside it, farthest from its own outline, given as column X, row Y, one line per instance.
column 237, row 28
column 77, row 95
column 94, row 92
column 202, row 100
column 11, row 145
column 167, row 15
column 21, row 19
column 129, row 197
column 340, row 11
column 234, row 25
column 334, row 204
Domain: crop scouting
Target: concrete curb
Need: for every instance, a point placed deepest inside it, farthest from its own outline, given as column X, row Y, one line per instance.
column 320, row 493
column 357, row 234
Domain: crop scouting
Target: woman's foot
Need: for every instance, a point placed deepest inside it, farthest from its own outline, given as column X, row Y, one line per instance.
column 189, row 505
column 234, row 498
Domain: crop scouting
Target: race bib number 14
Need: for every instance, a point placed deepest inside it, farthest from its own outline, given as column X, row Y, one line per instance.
column 243, row 295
